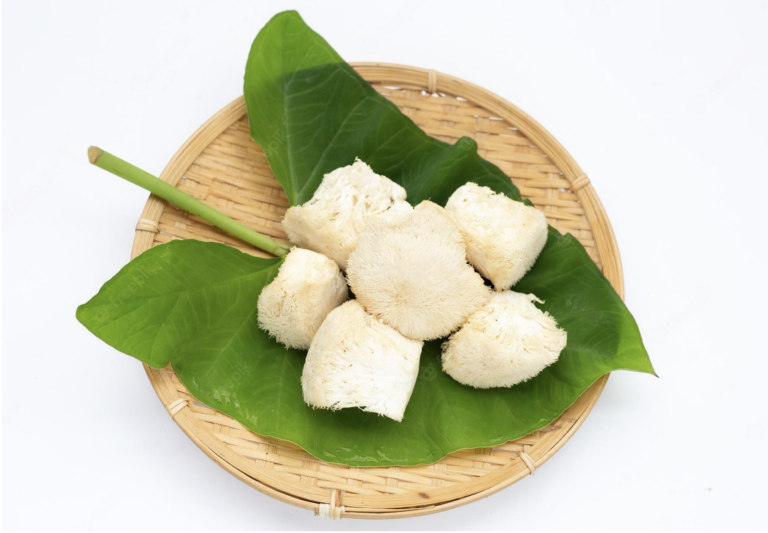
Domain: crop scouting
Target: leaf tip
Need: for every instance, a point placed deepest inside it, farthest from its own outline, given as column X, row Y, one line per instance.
column 79, row 314
column 466, row 145
column 287, row 14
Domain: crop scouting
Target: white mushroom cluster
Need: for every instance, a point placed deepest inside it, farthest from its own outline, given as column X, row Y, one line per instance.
column 308, row 286
column 330, row 222
column 508, row 341
column 411, row 270
column 356, row 361
column 503, row 237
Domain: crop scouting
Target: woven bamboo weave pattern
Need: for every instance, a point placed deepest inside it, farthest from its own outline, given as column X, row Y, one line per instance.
column 223, row 167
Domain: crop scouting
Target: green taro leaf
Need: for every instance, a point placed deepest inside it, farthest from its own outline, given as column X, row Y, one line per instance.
column 193, row 304
column 312, row 113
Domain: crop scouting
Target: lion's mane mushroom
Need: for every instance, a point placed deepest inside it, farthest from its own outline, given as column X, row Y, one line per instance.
column 503, row 237
column 307, row 287
column 356, row 361
column 411, row 272
column 331, row 220
column 506, row 342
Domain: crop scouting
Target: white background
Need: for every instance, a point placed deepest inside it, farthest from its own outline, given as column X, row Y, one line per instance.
column 664, row 105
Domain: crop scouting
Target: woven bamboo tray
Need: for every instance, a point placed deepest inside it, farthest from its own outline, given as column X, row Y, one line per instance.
column 223, row 167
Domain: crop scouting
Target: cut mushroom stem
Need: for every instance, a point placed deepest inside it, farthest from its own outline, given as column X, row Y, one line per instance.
column 508, row 341
column 356, row 361
column 330, row 222
column 503, row 237
column 308, row 286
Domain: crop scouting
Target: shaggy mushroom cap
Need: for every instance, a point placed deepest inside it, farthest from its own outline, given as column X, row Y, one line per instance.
column 508, row 341
column 356, row 361
column 307, row 287
column 503, row 237
column 410, row 271
column 330, row 222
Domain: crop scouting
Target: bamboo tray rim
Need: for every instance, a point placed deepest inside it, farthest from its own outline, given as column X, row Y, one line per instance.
column 327, row 502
